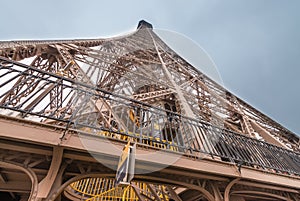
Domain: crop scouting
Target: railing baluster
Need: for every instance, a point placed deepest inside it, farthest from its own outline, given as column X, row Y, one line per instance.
column 151, row 125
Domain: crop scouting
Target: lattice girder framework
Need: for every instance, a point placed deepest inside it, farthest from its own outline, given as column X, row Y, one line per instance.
column 135, row 87
column 122, row 65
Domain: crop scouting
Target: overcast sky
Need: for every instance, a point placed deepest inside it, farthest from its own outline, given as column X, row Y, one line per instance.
column 254, row 43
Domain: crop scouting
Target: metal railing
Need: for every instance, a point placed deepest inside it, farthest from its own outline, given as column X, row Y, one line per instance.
column 26, row 92
column 94, row 189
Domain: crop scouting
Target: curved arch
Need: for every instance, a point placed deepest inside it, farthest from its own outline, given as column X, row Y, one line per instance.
column 260, row 193
column 207, row 194
column 228, row 187
column 54, row 195
column 29, row 172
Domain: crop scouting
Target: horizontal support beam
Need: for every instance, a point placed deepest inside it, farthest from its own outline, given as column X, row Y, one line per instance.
column 47, row 136
column 15, row 186
column 266, row 186
column 29, row 148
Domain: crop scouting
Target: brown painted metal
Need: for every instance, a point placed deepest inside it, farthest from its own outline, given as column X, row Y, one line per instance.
column 52, row 173
column 212, row 167
column 202, row 164
column 228, row 188
column 41, row 87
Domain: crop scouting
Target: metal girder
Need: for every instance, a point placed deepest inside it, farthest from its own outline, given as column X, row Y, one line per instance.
column 174, row 195
column 46, row 184
column 258, row 193
column 137, row 192
column 159, row 179
column 3, row 178
column 266, row 186
column 157, row 198
column 228, row 188
column 135, row 88
column 29, row 172
column 15, row 186
column 214, row 167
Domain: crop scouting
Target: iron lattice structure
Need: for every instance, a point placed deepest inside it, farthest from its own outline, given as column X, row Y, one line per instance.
column 135, row 87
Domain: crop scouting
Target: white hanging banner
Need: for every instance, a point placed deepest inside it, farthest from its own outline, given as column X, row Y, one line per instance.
column 125, row 170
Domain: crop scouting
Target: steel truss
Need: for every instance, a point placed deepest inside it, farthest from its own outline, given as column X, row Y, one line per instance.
column 136, row 88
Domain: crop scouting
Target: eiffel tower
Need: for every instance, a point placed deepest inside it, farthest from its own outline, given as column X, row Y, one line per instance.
column 68, row 107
